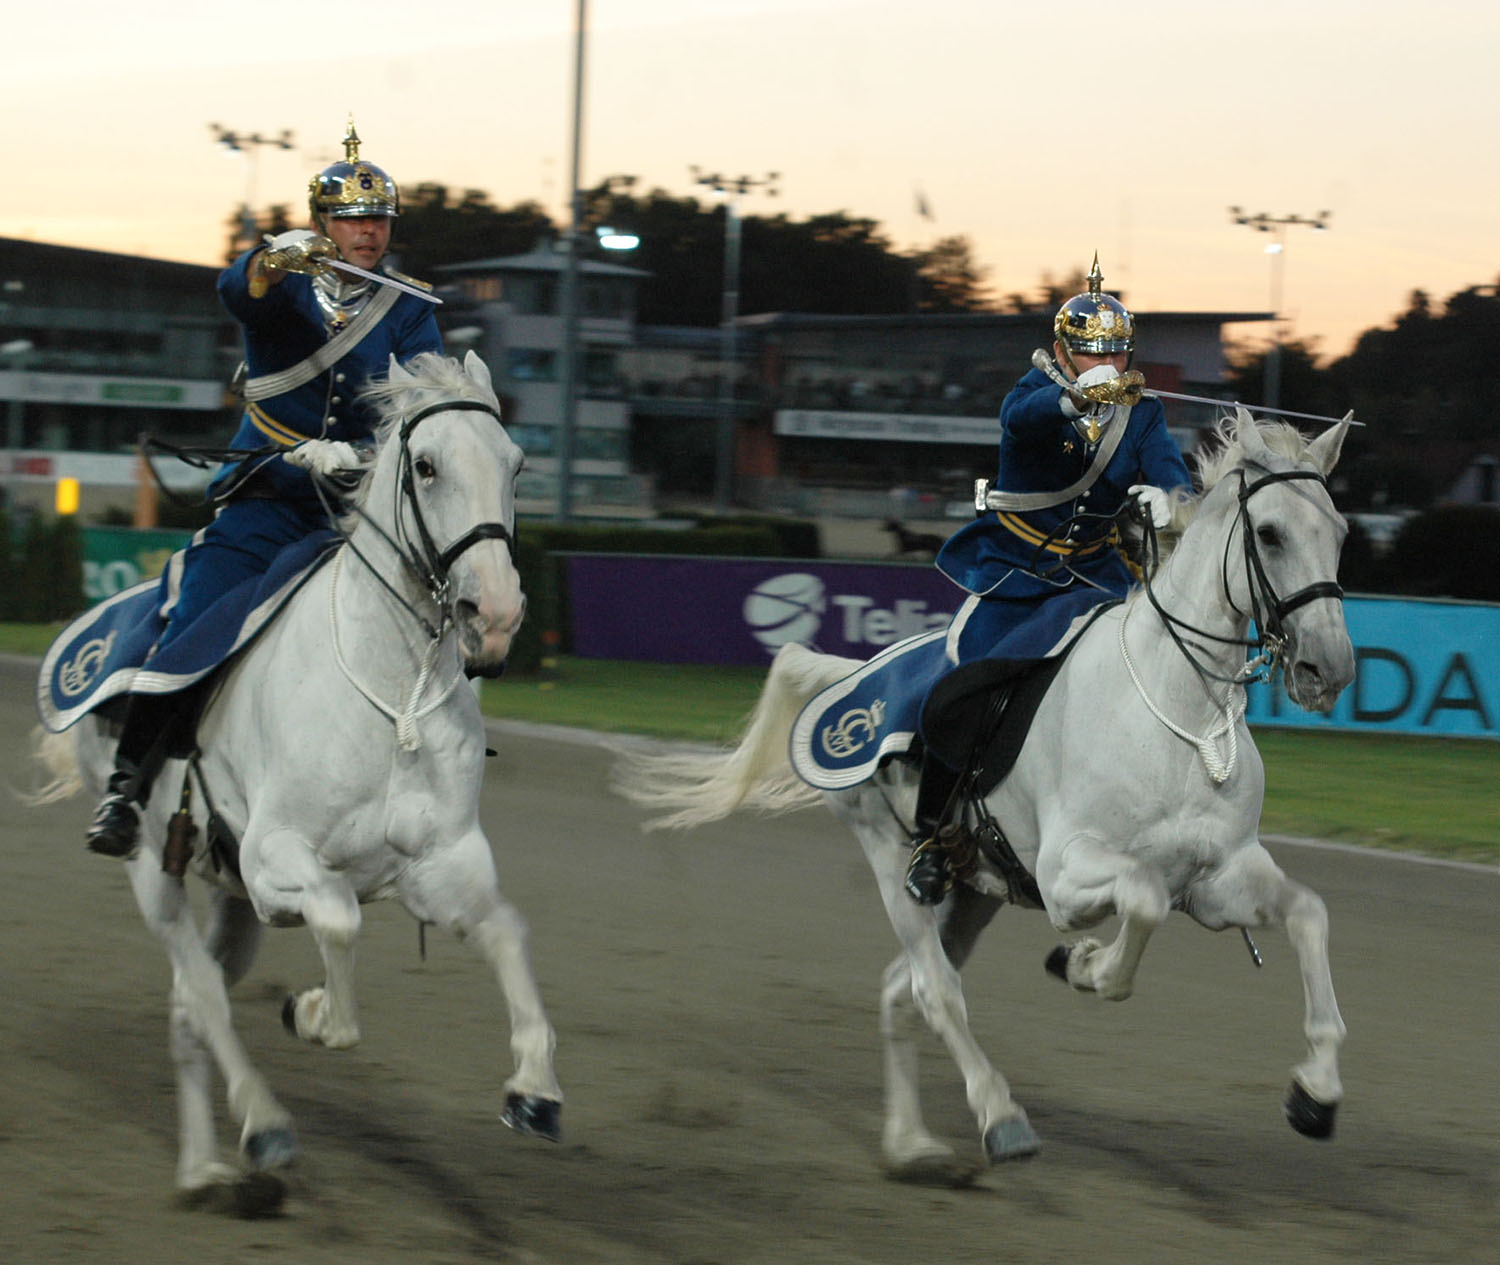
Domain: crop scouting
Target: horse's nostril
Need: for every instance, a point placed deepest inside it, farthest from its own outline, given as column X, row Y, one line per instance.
column 466, row 611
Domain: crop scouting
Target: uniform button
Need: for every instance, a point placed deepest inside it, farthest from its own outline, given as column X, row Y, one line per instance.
column 338, row 377
column 336, row 400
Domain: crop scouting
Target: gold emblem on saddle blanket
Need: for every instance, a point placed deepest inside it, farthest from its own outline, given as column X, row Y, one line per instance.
column 855, row 729
column 75, row 675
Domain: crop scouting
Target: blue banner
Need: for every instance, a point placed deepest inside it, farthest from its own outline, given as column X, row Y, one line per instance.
column 1423, row 667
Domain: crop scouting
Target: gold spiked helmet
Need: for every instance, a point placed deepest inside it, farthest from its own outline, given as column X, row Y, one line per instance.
column 352, row 187
column 1094, row 323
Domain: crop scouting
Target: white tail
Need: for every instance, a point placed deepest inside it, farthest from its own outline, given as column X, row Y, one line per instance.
column 58, row 756
column 692, row 788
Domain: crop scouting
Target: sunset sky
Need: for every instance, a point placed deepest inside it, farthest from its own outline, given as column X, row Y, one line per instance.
column 1039, row 131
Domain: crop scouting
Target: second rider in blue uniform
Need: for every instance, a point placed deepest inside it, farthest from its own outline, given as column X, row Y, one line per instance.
column 1013, row 560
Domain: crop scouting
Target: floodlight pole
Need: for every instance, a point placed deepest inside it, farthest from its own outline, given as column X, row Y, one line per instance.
column 568, row 368
column 730, row 190
column 1277, row 226
column 249, row 144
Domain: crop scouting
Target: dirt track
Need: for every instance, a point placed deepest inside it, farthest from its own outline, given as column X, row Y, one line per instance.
column 715, row 1003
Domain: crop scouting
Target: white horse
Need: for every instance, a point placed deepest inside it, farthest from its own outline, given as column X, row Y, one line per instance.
column 345, row 752
column 1138, row 789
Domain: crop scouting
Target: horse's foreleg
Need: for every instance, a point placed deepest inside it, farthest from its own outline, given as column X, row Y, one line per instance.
column 303, row 890
column 1083, row 881
column 462, row 893
column 200, row 1020
column 1252, row 891
column 933, row 984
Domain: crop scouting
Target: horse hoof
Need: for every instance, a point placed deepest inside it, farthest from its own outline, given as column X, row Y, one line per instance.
column 1057, row 963
column 271, row 1148
column 289, row 1013
column 248, row 1196
column 945, row 1172
column 535, row 1117
column 1011, row 1139
column 258, row 1195
column 1311, row 1118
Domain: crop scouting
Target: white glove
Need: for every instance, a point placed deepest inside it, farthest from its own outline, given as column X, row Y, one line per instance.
column 299, row 250
column 1153, row 502
column 326, row 456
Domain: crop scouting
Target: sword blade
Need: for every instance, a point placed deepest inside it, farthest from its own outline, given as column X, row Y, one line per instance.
column 1253, row 408
column 382, row 279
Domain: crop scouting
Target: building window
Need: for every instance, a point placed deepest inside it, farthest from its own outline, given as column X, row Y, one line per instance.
column 531, row 364
column 535, row 441
column 483, row 289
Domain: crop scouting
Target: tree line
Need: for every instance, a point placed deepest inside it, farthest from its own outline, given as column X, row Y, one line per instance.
column 1421, row 384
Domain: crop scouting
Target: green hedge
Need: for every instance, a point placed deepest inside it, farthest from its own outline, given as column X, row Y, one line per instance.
column 41, row 575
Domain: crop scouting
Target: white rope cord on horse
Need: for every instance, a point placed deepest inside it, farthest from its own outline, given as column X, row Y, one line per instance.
column 1233, row 708
column 406, row 719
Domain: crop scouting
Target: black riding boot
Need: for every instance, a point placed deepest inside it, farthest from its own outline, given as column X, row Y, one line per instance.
column 138, row 758
column 928, row 874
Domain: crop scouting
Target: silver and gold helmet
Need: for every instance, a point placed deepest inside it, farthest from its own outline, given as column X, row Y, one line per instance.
column 352, row 187
column 1095, row 323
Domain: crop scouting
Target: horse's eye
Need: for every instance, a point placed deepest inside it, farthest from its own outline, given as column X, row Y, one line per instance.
column 424, row 468
column 1268, row 536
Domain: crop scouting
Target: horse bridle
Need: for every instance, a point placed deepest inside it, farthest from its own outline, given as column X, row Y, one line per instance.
column 432, row 565
column 436, row 563
column 1268, row 611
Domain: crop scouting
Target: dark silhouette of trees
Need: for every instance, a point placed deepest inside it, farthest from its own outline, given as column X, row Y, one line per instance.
column 834, row 263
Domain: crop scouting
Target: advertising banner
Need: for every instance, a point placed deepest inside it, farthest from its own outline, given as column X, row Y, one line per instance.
column 117, row 558
column 1423, row 667
column 721, row 610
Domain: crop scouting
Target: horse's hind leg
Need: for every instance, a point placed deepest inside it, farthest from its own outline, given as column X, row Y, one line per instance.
column 1082, row 882
column 933, row 985
column 1252, row 891
column 201, row 1024
column 911, row 1151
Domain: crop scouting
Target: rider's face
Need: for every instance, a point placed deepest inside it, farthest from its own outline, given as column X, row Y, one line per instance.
column 361, row 239
column 1085, row 362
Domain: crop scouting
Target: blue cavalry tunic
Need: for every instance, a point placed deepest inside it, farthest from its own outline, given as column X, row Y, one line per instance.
column 1015, row 561
column 267, row 503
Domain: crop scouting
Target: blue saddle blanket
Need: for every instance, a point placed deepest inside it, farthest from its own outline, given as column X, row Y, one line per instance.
column 107, row 651
column 845, row 731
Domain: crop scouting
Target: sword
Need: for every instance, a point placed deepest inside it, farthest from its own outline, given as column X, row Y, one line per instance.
column 1041, row 360
column 381, row 279
column 1254, row 408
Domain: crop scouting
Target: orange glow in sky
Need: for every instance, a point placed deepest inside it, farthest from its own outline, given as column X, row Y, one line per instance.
column 1039, row 131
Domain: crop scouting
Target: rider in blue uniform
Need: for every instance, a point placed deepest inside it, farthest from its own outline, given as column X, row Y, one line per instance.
column 1078, row 442
column 313, row 337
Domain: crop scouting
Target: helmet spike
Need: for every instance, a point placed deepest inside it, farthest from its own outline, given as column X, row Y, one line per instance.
column 351, row 148
column 1096, row 278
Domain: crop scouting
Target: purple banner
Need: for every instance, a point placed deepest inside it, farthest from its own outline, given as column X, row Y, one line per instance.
column 729, row 610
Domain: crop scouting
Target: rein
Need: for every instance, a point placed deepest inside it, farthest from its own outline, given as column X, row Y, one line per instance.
column 431, row 566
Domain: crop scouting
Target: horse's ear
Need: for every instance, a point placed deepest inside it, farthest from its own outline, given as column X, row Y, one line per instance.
column 397, row 373
column 1247, row 435
column 478, row 370
column 1325, row 449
